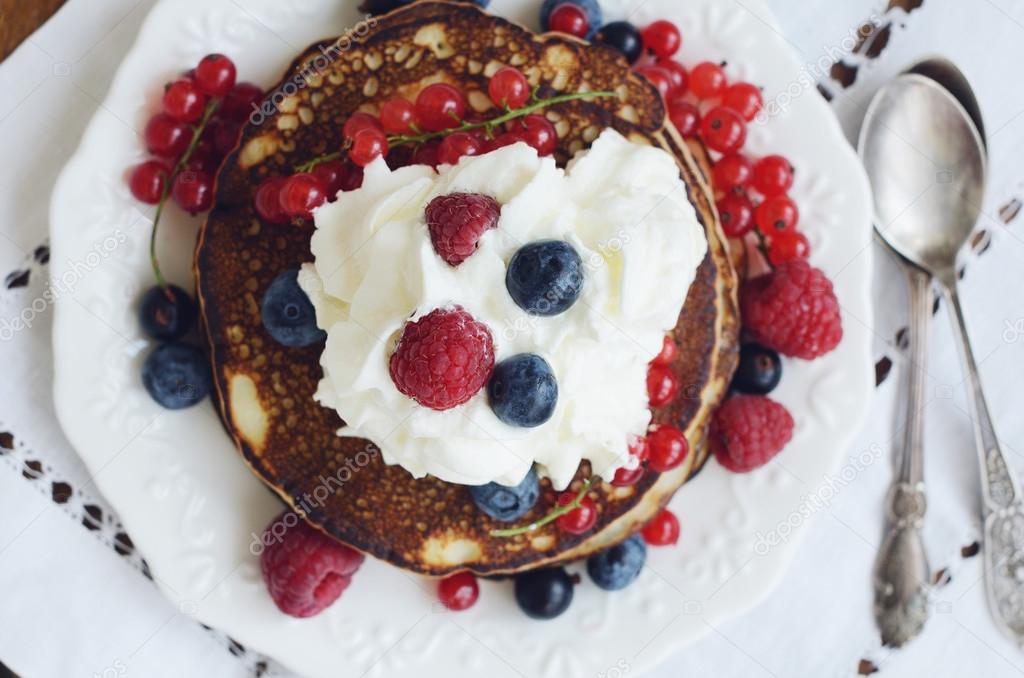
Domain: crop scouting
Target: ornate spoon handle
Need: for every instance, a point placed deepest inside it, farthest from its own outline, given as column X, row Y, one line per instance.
column 901, row 570
column 1001, row 496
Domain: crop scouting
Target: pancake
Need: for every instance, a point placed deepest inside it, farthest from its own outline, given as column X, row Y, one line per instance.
column 265, row 391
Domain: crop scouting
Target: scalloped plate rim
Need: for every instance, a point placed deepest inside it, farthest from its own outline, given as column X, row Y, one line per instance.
column 83, row 434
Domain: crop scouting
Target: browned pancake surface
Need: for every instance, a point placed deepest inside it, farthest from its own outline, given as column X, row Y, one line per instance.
column 265, row 390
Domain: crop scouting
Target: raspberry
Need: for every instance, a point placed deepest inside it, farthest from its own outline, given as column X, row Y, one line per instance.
column 305, row 570
column 748, row 430
column 443, row 359
column 457, row 221
column 792, row 310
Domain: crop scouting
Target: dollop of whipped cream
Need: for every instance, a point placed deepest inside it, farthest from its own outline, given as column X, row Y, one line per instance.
column 623, row 207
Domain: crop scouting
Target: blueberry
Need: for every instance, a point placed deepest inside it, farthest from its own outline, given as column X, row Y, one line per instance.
column 523, row 390
column 507, row 503
column 759, row 371
column 544, row 594
column 545, row 277
column 617, row 567
column 591, row 7
column 177, row 375
column 624, row 37
column 166, row 314
column 288, row 314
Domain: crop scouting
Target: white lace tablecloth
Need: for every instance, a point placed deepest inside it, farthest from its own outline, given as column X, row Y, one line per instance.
column 74, row 595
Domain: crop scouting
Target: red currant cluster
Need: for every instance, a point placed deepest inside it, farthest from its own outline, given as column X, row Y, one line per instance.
column 435, row 129
column 202, row 114
column 702, row 104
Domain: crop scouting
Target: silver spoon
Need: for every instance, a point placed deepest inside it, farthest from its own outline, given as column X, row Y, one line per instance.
column 902, row 574
column 929, row 161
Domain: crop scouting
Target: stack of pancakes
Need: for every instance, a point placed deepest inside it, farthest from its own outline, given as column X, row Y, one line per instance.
column 265, row 390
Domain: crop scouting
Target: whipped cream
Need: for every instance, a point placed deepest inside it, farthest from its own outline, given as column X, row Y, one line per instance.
column 622, row 206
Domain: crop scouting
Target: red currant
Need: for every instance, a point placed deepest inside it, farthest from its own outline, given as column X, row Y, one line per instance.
column 166, row 137
column 458, row 591
column 669, row 351
column 241, row 102
column 723, row 130
column 215, row 75
column 333, row 175
column 732, row 171
column 502, row 140
column 659, row 77
column 426, row 154
column 538, row 132
column 267, row 201
column 663, row 530
column 508, row 88
column 662, row 385
column 625, row 477
column 743, row 98
column 148, row 181
column 353, row 178
column 668, row 447
column 204, row 157
column 662, row 38
column 183, row 101
column 685, row 117
column 357, row 122
column 398, row 116
column 569, row 18
column 580, row 519
column 707, row 80
column 440, row 107
column 368, row 145
column 193, row 191
column 776, row 213
column 680, row 76
column 736, row 213
column 457, row 145
column 224, row 134
column 787, row 245
column 772, row 175
column 301, row 194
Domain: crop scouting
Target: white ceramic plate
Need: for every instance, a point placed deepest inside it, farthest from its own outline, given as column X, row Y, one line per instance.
column 192, row 507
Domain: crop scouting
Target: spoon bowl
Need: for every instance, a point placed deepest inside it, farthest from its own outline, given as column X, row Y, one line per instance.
column 945, row 72
column 926, row 162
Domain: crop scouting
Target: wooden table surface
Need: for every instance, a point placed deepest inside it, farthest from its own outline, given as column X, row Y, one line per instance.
column 18, row 18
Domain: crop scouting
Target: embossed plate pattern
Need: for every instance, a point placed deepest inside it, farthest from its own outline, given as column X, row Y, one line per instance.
column 192, row 507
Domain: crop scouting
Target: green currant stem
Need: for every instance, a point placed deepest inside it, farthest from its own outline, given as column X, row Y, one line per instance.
column 309, row 166
column 488, row 125
column 554, row 515
column 197, row 133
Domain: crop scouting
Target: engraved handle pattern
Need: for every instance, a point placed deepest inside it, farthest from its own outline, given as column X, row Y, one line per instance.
column 901, row 576
column 1001, row 495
